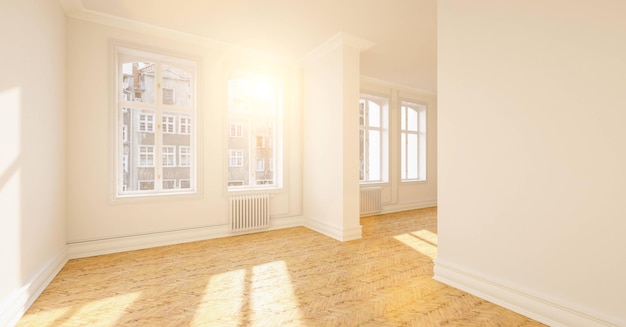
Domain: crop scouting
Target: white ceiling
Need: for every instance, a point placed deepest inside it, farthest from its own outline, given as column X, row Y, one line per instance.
column 404, row 31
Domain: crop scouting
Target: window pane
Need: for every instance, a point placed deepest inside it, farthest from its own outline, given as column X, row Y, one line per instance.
column 412, row 119
column 176, row 152
column 362, row 151
column 176, row 86
column 138, row 150
column 374, row 156
column 412, row 156
column 403, row 154
column 138, row 82
column 373, row 113
column 403, row 118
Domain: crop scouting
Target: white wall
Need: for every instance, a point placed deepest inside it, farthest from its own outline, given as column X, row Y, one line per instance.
column 330, row 93
column 532, row 156
column 91, row 213
column 32, row 156
column 397, row 195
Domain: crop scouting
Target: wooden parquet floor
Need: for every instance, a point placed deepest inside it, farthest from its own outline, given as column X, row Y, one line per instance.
column 289, row 277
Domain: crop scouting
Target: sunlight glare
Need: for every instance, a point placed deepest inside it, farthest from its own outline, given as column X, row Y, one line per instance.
column 223, row 298
column 420, row 241
column 104, row 312
column 272, row 293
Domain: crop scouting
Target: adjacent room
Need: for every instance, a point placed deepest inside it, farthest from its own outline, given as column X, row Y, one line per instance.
column 327, row 163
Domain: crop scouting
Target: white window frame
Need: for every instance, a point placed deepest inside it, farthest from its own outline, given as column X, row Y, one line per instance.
column 166, row 123
column 124, row 53
column 420, row 134
column 235, row 158
column 168, row 152
column 383, row 130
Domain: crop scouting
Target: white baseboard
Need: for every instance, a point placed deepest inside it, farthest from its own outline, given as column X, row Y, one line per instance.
column 391, row 208
column 138, row 242
column 342, row 235
column 548, row 311
column 14, row 308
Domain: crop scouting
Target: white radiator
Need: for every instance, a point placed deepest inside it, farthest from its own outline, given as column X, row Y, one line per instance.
column 371, row 200
column 249, row 212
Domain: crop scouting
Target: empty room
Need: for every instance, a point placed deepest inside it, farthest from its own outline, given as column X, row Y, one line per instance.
column 312, row 163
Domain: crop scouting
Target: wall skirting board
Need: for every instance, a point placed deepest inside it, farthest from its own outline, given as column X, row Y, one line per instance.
column 339, row 234
column 391, row 208
column 548, row 311
column 138, row 242
column 14, row 308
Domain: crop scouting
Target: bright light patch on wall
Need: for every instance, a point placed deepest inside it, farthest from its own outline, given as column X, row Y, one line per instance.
column 10, row 187
column 10, row 126
column 422, row 241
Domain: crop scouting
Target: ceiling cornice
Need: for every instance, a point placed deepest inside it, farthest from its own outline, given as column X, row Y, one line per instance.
column 75, row 9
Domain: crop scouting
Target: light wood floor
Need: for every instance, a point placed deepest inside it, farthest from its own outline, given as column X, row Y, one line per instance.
column 289, row 277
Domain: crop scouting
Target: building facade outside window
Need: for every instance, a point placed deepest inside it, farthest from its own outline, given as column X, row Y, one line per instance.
column 255, row 133
column 155, row 110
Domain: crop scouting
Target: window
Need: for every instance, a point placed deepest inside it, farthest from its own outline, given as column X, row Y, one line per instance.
column 169, row 184
column 184, row 156
column 168, row 96
column 125, row 162
column 169, row 156
column 374, row 138
column 236, row 130
column 255, row 133
column 413, row 141
column 169, row 124
column 236, row 158
column 146, row 122
column 184, row 125
column 155, row 93
column 146, row 156
column 260, row 164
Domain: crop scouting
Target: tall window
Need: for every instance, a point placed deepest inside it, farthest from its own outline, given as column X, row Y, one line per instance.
column 155, row 92
column 413, row 141
column 374, row 138
column 254, row 128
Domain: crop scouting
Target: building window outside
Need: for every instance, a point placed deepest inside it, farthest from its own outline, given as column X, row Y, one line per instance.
column 374, row 138
column 169, row 124
column 260, row 164
column 413, row 141
column 146, row 156
column 255, row 120
column 169, row 156
column 146, row 123
column 184, row 156
column 154, row 88
column 168, row 96
column 236, row 130
column 184, row 125
column 236, row 158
